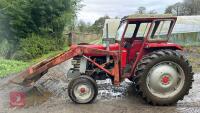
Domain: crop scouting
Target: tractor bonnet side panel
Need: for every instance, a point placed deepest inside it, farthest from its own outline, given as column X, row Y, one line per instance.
column 113, row 47
column 163, row 45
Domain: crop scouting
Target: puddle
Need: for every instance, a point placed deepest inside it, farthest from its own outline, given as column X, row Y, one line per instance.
column 34, row 97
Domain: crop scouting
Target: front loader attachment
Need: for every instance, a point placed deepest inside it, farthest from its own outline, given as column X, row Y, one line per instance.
column 35, row 72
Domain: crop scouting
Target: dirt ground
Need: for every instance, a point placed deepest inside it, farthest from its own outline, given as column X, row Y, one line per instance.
column 51, row 95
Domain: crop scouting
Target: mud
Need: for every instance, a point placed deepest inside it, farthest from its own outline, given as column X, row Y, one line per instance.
column 50, row 96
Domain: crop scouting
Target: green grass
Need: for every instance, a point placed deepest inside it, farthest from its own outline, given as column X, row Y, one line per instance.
column 8, row 67
column 46, row 56
column 97, row 42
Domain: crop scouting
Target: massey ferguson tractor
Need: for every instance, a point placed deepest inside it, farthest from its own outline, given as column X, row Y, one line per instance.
column 141, row 53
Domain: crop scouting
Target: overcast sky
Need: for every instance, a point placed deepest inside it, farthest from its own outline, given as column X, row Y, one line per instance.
column 94, row 9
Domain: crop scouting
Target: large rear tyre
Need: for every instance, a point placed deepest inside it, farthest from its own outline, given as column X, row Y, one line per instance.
column 163, row 77
column 83, row 90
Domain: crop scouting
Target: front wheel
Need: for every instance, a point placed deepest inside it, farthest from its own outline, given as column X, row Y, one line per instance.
column 163, row 77
column 82, row 90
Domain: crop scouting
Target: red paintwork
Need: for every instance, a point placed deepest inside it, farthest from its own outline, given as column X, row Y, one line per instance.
column 148, row 45
column 115, row 72
column 35, row 72
column 163, row 45
column 99, row 66
column 130, row 55
column 135, row 47
column 112, row 47
column 165, row 80
column 123, row 58
column 82, row 90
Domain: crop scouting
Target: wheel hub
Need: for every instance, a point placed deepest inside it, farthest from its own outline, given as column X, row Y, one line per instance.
column 82, row 90
column 165, row 79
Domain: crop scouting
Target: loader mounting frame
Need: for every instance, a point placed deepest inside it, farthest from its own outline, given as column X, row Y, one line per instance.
column 35, row 72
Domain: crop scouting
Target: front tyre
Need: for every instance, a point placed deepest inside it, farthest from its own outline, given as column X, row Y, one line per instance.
column 82, row 90
column 163, row 77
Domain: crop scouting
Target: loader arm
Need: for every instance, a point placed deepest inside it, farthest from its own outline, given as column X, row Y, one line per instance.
column 35, row 72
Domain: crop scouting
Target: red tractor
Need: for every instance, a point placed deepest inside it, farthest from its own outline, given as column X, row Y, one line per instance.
column 142, row 53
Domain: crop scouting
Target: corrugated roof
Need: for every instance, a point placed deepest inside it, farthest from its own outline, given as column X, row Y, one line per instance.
column 187, row 24
column 188, row 20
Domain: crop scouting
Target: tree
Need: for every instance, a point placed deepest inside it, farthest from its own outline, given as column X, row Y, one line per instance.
column 141, row 10
column 153, row 12
column 83, row 27
column 177, row 9
column 168, row 10
column 193, row 6
column 42, row 17
column 187, row 7
column 98, row 25
column 45, row 18
column 116, row 17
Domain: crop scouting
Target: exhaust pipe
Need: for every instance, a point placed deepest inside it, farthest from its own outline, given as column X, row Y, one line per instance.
column 107, row 43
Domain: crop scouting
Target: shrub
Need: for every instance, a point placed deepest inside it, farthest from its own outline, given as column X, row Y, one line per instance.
column 35, row 46
column 4, row 48
column 45, row 18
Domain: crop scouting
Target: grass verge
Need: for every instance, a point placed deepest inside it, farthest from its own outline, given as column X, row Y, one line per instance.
column 8, row 67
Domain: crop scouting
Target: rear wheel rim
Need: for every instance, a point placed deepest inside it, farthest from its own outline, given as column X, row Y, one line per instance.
column 165, row 79
column 83, row 93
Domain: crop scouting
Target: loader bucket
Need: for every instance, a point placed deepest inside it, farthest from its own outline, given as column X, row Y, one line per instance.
column 35, row 72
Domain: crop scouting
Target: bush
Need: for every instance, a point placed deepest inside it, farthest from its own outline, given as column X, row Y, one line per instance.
column 24, row 17
column 4, row 48
column 45, row 18
column 35, row 46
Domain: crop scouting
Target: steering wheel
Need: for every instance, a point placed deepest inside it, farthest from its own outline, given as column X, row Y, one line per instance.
column 127, row 44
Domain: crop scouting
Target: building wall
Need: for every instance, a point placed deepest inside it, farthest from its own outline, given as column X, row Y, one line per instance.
column 77, row 38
